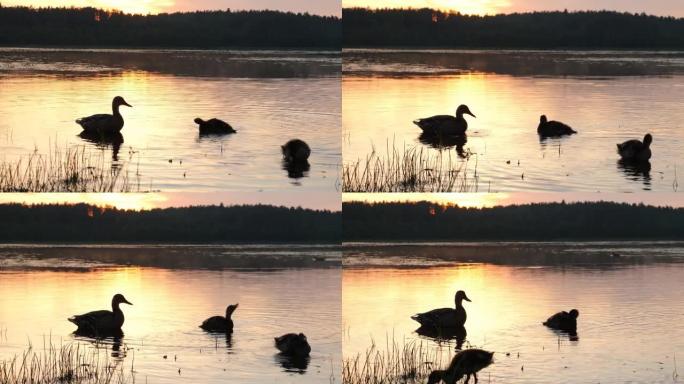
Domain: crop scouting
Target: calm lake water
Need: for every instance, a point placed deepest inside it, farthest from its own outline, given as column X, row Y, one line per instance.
column 269, row 97
column 629, row 329
column 37, row 294
column 608, row 97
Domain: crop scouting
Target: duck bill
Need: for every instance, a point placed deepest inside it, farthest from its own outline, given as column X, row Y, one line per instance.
column 127, row 302
column 471, row 114
column 466, row 298
column 128, row 105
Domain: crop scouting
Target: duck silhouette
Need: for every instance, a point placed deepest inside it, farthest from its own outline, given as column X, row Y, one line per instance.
column 552, row 128
column 104, row 123
column 445, row 317
column 564, row 321
column 446, row 124
column 214, row 127
column 220, row 323
column 635, row 150
column 465, row 363
column 102, row 323
column 293, row 344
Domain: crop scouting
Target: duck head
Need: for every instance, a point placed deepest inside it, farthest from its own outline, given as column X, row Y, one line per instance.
column 543, row 119
column 230, row 309
column 198, row 121
column 460, row 296
column 648, row 139
column 435, row 377
column 119, row 299
column 463, row 109
column 574, row 313
column 119, row 101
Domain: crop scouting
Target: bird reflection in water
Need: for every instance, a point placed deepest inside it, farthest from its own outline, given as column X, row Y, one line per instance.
column 444, row 334
column 441, row 142
column 636, row 171
column 293, row 363
column 104, row 141
column 296, row 169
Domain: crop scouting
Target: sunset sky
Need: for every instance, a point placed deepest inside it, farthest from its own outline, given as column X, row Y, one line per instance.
column 656, row 7
column 320, row 7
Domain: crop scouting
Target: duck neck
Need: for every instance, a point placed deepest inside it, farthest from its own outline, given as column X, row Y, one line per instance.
column 115, row 112
column 459, row 303
column 115, row 306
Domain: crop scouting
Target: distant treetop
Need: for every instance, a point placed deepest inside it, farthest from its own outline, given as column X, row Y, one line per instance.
column 92, row 27
column 546, row 30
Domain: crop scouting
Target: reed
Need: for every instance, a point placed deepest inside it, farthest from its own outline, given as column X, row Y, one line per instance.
column 410, row 362
column 411, row 169
column 72, row 363
column 73, row 169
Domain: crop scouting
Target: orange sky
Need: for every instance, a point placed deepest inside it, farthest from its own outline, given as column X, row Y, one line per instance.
column 317, row 200
column 656, row 7
column 478, row 200
column 320, row 7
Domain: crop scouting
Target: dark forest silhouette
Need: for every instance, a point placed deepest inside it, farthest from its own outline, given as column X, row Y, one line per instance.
column 532, row 222
column 432, row 28
column 91, row 27
column 85, row 223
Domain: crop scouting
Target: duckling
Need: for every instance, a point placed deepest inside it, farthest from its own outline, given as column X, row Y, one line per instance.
column 102, row 322
column 635, row 150
column 564, row 321
column 293, row 344
column 220, row 323
column 103, row 123
column 213, row 127
column 296, row 151
column 465, row 363
column 553, row 128
column 446, row 124
column 445, row 317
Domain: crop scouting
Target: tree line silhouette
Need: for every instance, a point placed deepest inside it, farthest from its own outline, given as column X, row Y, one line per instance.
column 531, row 222
column 85, row 223
column 91, row 27
column 587, row 29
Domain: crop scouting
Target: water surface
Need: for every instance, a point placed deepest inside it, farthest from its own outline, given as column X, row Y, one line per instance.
column 269, row 97
column 608, row 97
column 169, row 304
column 628, row 330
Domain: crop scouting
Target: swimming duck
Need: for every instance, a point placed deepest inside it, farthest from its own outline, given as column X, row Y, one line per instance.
column 293, row 344
column 102, row 322
column 445, row 317
column 296, row 151
column 220, row 323
column 564, row 321
column 553, row 128
column 635, row 150
column 213, row 127
column 446, row 124
column 465, row 363
column 103, row 123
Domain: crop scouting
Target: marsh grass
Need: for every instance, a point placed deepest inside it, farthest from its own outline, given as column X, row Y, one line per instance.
column 410, row 362
column 73, row 363
column 74, row 169
column 412, row 169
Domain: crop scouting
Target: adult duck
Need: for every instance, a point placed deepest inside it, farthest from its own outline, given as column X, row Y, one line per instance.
column 296, row 151
column 553, row 128
column 293, row 344
column 102, row 323
column 445, row 317
column 564, row 321
column 635, row 150
column 446, row 124
column 104, row 123
column 465, row 363
column 214, row 127
column 220, row 323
